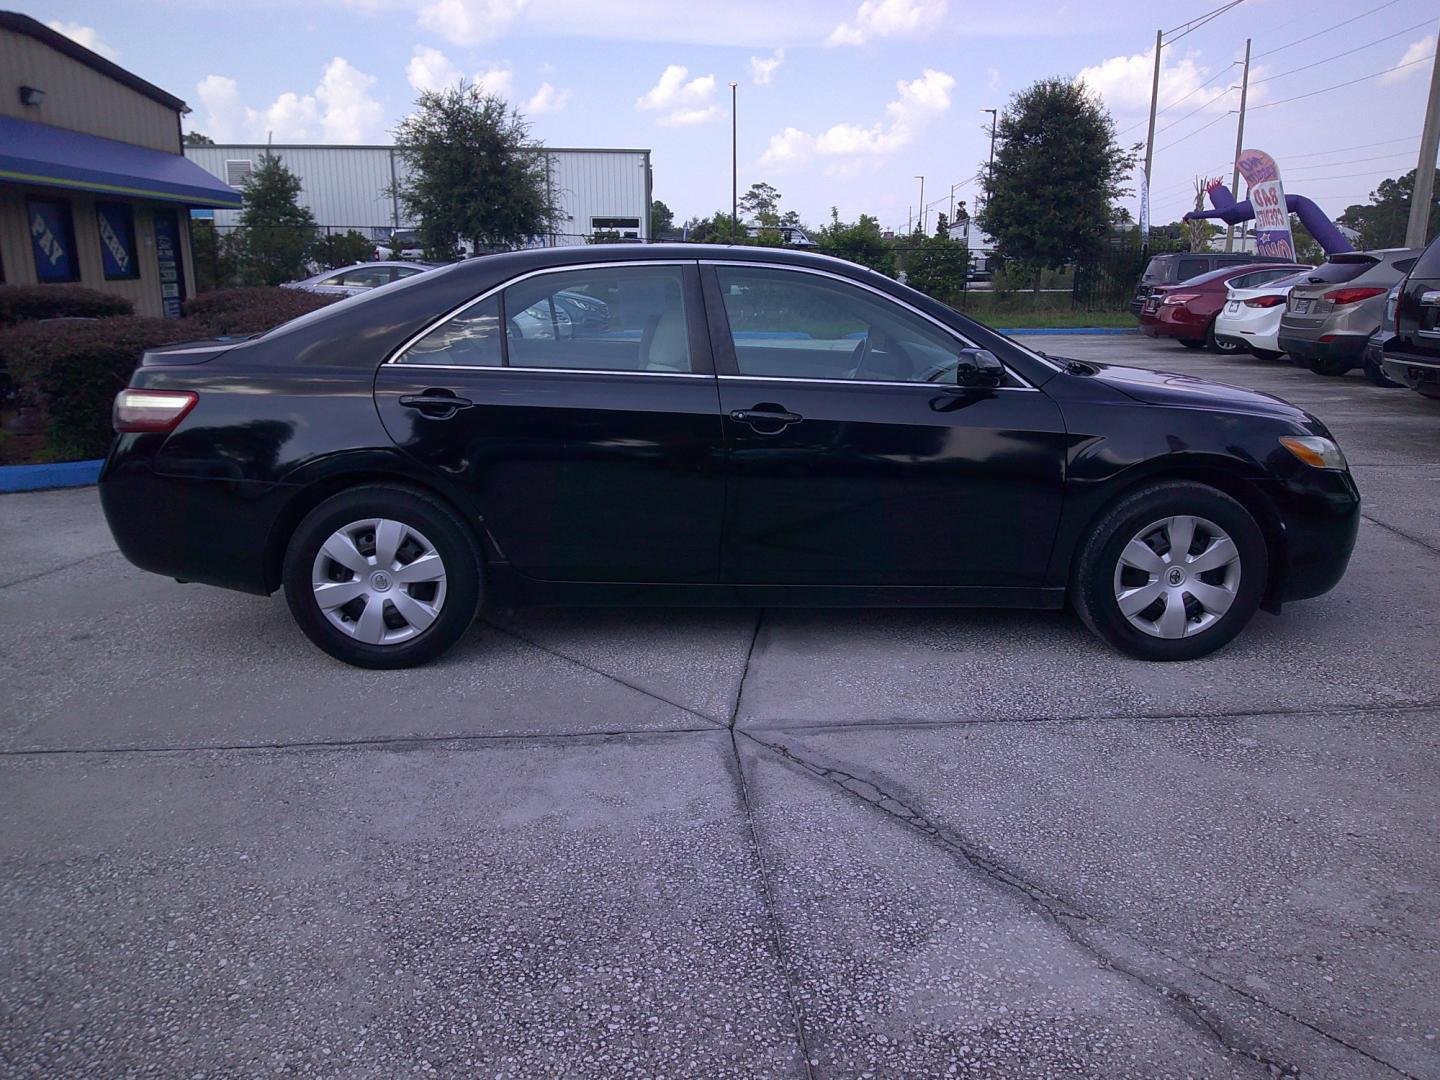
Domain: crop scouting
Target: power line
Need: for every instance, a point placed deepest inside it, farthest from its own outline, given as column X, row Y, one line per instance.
column 1199, row 21
column 1361, row 146
column 1350, row 161
column 1197, row 131
column 1338, row 86
column 1347, row 52
column 1318, row 33
column 1195, row 112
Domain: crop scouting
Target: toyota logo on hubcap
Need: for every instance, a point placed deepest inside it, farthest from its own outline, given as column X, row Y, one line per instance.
column 1176, row 575
column 380, row 581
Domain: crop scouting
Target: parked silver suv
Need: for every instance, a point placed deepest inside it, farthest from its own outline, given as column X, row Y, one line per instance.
column 1332, row 312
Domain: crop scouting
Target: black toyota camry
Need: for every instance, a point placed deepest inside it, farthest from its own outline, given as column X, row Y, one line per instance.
column 686, row 424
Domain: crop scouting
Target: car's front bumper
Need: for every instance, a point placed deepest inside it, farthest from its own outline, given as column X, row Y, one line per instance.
column 1319, row 512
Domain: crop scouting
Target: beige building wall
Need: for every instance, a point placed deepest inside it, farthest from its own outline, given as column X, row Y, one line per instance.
column 18, row 258
column 80, row 98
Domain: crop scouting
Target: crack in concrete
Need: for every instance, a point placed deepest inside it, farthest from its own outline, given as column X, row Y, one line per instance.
column 1078, row 926
column 1402, row 534
column 782, row 957
column 56, row 569
column 380, row 742
column 605, row 674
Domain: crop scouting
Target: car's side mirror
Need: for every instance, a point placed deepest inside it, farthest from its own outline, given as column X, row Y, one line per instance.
column 979, row 369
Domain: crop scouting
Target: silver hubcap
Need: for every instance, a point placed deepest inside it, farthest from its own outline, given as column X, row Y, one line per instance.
column 380, row 581
column 1177, row 577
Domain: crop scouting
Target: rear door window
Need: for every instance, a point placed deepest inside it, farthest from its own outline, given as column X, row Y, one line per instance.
column 468, row 339
column 1189, row 268
column 610, row 318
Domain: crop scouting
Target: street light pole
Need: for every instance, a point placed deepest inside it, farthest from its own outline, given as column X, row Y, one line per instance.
column 734, row 168
column 922, row 202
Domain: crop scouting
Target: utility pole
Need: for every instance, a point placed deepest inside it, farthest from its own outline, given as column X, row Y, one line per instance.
column 1150, row 135
column 951, row 218
column 990, row 170
column 734, row 169
column 922, row 202
column 1239, row 145
column 1424, row 192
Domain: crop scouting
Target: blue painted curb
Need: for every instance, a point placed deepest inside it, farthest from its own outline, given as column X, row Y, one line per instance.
column 1020, row 331
column 62, row 474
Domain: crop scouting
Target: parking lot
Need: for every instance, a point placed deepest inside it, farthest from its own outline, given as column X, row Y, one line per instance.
column 729, row 843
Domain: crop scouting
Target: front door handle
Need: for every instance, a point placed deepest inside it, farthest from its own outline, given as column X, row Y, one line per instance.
column 440, row 404
column 766, row 419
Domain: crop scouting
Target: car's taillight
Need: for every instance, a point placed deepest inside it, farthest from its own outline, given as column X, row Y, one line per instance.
column 1180, row 297
column 152, row 410
column 1350, row 296
column 1265, row 301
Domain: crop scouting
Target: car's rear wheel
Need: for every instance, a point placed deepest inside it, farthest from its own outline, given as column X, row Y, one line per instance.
column 1172, row 571
column 1327, row 365
column 1266, row 354
column 1218, row 345
column 1191, row 344
column 383, row 577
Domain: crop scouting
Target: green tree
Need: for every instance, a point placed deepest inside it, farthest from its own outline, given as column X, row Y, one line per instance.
column 276, row 233
column 474, row 174
column 938, row 267
column 196, row 138
column 860, row 242
column 662, row 218
column 342, row 249
column 1382, row 221
column 762, row 203
column 1058, row 173
column 942, row 226
column 716, row 229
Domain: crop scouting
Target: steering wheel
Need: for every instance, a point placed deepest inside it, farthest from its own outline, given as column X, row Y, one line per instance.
column 878, row 341
column 858, row 356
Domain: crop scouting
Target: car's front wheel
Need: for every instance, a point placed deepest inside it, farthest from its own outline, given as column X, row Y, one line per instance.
column 1223, row 346
column 382, row 577
column 1172, row 571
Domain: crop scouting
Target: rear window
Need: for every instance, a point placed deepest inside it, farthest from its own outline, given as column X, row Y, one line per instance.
column 1188, row 268
column 1154, row 271
column 1332, row 273
column 1428, row 265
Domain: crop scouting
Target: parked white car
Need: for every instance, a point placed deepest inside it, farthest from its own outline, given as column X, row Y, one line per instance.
column 1250, row 318
column 358, row 278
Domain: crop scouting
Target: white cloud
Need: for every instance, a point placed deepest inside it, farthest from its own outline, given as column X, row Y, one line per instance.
column 339, row 110
column 430, row 69
column 1124, row 81
column 921, row 100
column 762, row 68
column 888, row 18
column 1415, row 51
column 547, row 99
column 497, row 81
column 85, row 35
column 680, row 102
column 992, row 78
column 469, row 22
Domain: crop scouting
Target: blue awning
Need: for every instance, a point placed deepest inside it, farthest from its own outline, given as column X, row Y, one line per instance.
column 32, row 153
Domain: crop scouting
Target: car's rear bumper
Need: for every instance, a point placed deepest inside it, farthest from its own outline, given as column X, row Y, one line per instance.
column 213, row 531
column 1323, row 346
column 1173, row 322
column 1419, row 373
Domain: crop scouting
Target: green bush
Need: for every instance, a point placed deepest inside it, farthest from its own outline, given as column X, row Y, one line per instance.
column 251, row 309
column 341, row 249
column 72, row 372
column 24, row 303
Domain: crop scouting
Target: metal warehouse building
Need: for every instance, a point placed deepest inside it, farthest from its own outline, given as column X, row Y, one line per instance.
column 345, row 186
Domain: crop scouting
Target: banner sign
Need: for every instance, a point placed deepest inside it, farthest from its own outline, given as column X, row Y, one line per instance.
column 167, row 254
column 117, row 241
column 1267, row 198
column 51, row 239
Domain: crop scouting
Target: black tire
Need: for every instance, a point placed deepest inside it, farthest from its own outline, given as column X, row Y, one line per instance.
column 1329, row 366
column 1376, row 374
column 1093, row 580
column 1266, row 354
column 1215, row 345
column 451, row 540
column 1189, row 344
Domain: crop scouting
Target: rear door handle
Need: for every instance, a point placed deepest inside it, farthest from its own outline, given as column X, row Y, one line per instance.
column 755, row 417
column 437, row 403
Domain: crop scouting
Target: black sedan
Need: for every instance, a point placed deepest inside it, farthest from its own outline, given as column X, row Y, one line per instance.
column 733, row 426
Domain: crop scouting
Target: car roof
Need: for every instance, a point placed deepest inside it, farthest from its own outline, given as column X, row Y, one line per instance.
column 1240, row 270
column 507, row 263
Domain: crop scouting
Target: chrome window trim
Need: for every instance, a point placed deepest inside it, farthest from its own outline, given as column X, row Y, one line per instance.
column 866, row 382
column 562, row 371
column 1025, row 383
column 394, row 357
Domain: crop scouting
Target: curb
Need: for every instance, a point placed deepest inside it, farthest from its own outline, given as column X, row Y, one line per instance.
column 1023, row 332
column 62, row 474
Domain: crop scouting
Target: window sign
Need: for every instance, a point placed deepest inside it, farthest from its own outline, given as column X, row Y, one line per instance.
column 167, row 254
column 52, row 237
column 117, row 241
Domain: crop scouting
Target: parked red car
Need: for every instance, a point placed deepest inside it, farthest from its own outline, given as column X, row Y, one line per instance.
column 1187, row 311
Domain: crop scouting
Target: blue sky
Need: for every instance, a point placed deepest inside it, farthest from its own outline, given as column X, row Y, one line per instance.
column 841, row 102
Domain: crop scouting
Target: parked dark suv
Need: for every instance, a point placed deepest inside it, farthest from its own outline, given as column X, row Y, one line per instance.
column 1412, row 356
column 1178, row 266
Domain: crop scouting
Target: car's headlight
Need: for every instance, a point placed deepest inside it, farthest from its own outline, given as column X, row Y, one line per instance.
column 1315, row 451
